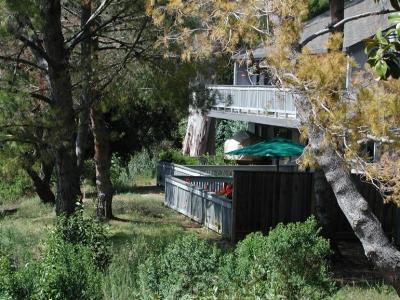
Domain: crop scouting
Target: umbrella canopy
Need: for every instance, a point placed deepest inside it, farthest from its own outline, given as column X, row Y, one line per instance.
column 276, row 147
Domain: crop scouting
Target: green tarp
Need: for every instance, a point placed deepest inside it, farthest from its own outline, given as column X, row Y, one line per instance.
column 276, row 147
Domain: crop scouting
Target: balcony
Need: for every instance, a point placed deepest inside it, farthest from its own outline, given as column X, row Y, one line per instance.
column 259, row 104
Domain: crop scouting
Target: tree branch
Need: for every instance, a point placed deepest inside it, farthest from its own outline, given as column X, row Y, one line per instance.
column 41, row 97
column 333, row 27
column 22, row 61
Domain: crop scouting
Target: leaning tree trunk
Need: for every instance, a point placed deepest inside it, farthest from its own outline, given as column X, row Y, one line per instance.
column 200, row 134
column 63, row 117
column 364, row 223
column 86, row 93
column 41, row 182
column 102, row 158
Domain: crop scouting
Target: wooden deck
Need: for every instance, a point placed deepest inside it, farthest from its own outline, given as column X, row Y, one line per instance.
column 260, row 104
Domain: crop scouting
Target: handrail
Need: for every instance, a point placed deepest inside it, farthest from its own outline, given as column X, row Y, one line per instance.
column 261, row 100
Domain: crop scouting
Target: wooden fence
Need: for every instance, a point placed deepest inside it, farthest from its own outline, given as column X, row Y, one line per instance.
column 261, row 200
column 205, row 207
column 229, row 170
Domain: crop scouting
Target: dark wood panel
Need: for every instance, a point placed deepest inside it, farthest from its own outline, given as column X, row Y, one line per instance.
column 264, row 199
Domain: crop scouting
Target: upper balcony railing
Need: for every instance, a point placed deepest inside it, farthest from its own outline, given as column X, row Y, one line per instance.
column 260, row 100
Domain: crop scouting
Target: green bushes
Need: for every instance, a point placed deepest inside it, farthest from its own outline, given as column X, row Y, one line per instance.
column 186, row 268
column 289, row 263
column 74, row 256
column 175, row 156
column 125, row 174
column 14, row 182
column 68, row 271
column 89, row 233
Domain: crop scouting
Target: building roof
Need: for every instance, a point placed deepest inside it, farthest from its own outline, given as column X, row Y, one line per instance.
column 354, row 31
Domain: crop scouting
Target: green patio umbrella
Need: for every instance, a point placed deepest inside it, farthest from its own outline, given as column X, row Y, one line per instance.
column 276, row 147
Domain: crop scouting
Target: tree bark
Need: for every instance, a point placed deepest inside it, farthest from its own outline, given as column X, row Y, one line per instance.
column 86, row 93
column 68, row 189
column 41, row 182
column 337, row 13
column 200, row 134
column 364, row 223
column 102, row 158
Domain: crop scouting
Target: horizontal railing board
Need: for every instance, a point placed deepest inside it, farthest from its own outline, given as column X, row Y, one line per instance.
column 166, row 168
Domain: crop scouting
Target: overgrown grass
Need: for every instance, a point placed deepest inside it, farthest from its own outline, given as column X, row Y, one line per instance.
column 144, row 228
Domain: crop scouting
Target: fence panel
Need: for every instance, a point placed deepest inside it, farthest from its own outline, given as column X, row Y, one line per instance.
column 165, row 168
column 210, row 210
column 261, row 200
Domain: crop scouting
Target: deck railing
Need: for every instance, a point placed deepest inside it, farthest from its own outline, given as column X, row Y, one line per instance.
column 208, row 183
column 206, row 208
column 260, row 100
column 227, row 170
column 165, row 168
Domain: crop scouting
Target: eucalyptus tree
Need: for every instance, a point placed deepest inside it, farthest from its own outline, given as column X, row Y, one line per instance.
column 336, row 121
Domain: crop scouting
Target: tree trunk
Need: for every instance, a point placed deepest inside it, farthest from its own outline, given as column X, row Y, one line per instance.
column 200, row 134
column 337, row 13
column 102, row 158
column 41, row 182
column 68, row 189
column 86, row 93
column 364, row 223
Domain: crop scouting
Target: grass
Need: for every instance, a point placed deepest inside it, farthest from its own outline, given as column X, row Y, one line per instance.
column 143, row 227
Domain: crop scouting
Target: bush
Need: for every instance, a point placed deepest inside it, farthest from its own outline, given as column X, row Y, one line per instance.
column 90, row 233
column 140, row 165
column 290, row 263
column 17, row 283
column 68, row 272
column 175, row 156
column 186, row 269
column 74, row 255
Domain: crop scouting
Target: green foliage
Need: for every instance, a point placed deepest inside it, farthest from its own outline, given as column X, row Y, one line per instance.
column 14, row 182
column 290, row 263
column 89, row 172
column 382, row 51
column 175, row 156
column 68, row 271
column 317, row 7
column 297, row 258
column 140, row 165
column 226, row 129
column 17, row 283
column 90, row 233
column 186, row 269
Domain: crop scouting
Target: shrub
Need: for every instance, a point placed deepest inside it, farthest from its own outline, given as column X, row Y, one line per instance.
column 68, row 272
column 78, row 230
column 187, row 268
column 17, row 283
column 142, row 164
column 290, row 263
column 298, row 261
column 175, row 156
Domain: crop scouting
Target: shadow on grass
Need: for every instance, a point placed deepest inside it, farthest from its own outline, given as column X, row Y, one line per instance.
column 148, row 189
